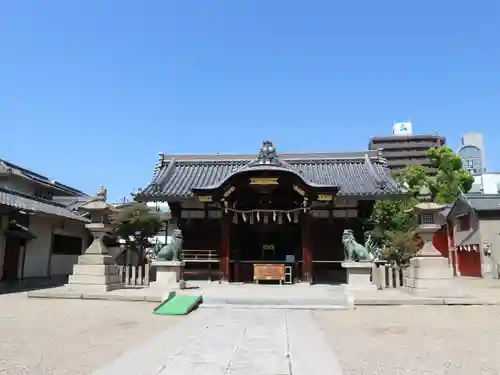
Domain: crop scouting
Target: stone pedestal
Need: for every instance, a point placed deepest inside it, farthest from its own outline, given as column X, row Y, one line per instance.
column 430, row 274
column 168, row 275
column 432, row 277
column 95, row 273
column 359, row 275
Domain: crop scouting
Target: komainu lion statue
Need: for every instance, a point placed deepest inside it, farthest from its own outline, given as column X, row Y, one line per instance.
column 357, row 252
column 172, row 251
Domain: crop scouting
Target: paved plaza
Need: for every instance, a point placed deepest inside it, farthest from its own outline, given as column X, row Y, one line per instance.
column 235, row 342
column 82, row 337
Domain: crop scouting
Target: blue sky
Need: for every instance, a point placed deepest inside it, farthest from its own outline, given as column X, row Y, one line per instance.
column 92, row 90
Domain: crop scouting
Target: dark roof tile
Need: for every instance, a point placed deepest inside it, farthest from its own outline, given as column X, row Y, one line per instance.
column 484, row 202
column 29, row 203
column 12, row 169
column 359, row 174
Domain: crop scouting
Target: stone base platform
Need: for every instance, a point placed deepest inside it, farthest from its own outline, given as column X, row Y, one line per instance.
column 300, row 297
column 126, row 294
column 94, row 273
column 257, row 296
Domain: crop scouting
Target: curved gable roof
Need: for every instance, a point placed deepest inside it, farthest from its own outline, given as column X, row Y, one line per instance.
column 363, row 174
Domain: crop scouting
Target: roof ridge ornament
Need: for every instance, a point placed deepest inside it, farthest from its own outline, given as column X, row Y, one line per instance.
column 373, row 172
column 267, row 153
column 268, row 156
column 159, row 164
column 380, row 157
column 4, row 168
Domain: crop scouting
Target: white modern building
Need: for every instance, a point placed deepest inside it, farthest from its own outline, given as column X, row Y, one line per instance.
column 486, row 183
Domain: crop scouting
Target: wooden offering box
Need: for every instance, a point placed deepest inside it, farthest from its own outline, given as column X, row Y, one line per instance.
column 269, row 272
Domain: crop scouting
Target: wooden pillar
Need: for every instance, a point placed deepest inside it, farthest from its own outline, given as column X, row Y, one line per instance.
column 237, row 264
column 306, row 249
column 224, row 260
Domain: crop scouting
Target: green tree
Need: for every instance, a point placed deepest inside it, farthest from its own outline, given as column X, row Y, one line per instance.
column 136, row 223
column 412, row 178
column 390, row 219
column 451, row 178
column 401, row 246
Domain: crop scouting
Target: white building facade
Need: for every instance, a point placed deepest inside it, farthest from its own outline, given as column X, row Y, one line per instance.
column 42, row 232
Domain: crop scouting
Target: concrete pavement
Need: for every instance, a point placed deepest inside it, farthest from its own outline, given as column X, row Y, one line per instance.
column 233, row 342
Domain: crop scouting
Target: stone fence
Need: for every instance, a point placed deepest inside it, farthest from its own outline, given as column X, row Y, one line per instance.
column 135, row 276
column 389, row 276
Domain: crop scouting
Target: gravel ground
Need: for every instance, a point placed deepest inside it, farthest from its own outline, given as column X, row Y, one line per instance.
column 70, row 337
column 74, row 337
column 414, row 340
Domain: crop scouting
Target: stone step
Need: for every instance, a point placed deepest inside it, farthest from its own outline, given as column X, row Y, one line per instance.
column 336, row 299
column 276, row 307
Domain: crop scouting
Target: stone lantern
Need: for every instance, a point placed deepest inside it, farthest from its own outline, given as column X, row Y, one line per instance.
column 99, row 222
column 428, row 221
column 430, row 273
column 96, row 270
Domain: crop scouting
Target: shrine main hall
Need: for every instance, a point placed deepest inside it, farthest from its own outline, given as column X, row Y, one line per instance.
column 237, row 212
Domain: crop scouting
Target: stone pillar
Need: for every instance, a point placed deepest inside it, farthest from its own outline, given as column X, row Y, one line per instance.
column 430, row 274
column 96, row 270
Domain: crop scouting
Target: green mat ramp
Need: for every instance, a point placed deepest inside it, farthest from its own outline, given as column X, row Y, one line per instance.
column 177, row 305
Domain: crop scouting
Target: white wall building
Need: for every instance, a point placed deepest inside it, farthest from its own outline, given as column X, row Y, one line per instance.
column 42, row 232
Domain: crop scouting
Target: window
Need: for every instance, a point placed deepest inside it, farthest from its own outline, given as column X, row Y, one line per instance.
column 464, row 222
column 426, row 219
column 66, row 245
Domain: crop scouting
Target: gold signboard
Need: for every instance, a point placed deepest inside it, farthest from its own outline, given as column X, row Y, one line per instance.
column 299, row 190
column 325, row 197
column 205, row 198
column 264, row 181
column 269, row 272
column 229, row 191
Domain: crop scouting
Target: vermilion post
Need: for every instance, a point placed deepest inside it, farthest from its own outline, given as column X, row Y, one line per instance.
column 224, row 261
column 306, row 251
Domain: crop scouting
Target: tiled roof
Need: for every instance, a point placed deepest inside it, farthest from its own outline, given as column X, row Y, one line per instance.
column 72, row 203
column 30, row 203
column 7, row 168
column 484, row 202
column 357, row 174
column 475, row 203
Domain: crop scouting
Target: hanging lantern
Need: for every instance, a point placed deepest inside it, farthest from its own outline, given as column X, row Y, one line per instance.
column 258, row 216
column 274, row 216
column 280, row 218
column 235, row 218
column 289, row 217
column 251, row 218
column 244, row 217
column 266, row 219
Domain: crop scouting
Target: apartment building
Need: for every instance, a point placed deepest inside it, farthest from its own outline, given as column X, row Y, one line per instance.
column 403, row 150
